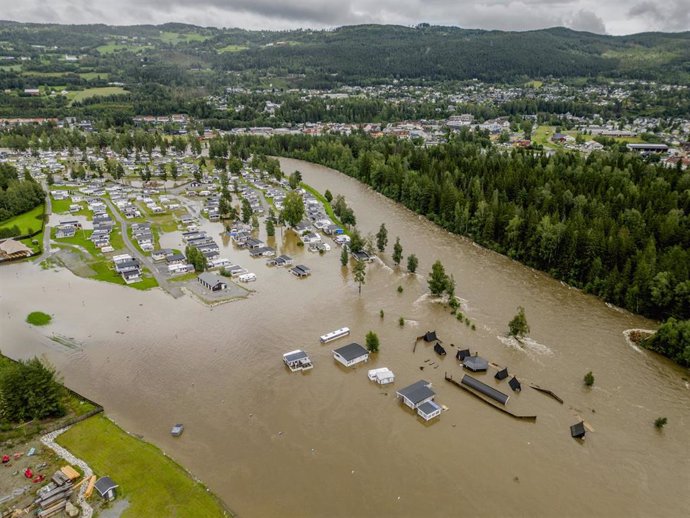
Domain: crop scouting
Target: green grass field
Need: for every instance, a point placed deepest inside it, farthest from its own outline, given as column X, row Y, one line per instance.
column 232, row 48
column 109, row 48
column 175, row 37
column 97, row 92
column 153, row 484
column 28, row 222
column 89, row 76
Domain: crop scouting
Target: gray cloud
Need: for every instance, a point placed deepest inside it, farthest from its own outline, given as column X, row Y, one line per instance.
column 612, row 16
column 588, row 21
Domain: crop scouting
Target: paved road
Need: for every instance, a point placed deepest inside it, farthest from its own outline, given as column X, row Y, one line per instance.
column 164, row 283
column 46, row 229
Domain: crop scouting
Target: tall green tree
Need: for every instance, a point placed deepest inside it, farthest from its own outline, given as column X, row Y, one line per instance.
column 438, row 280
column 518, row 326
column 412, row 263
column 360, row 273
column 293, row 209
column 382, row 238
column 397, row 252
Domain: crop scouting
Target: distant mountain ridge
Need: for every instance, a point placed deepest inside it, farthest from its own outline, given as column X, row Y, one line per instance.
column 367, row 53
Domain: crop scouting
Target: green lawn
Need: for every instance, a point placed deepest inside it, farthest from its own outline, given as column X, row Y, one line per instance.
column 153, row 484
column 112, row 47
column 175, row 37
column 93, row 75
column 97, row 92
column 27, row 222
column 232, row 48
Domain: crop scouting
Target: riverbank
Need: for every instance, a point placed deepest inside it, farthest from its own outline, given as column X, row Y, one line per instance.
column 152, row 484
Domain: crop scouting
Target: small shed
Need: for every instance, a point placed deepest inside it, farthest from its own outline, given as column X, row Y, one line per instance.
column 430, row 336
column 502, row 374
column 475, row 363
column 577, row 431
column 462, row 354
column 515, row 384
column 439, row 349
column 106, row 488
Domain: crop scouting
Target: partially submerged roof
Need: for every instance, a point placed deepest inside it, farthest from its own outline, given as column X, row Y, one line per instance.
column 475, row 363
column 351, row 351
column 428, row 407
column 417, row 392
column 515, row 384
column 430, row 336
column 462, row 354
column 485, row 389
column 502, row 374
column 578, row 430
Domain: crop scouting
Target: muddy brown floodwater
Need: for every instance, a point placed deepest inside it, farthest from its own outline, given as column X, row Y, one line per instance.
column 331, row 443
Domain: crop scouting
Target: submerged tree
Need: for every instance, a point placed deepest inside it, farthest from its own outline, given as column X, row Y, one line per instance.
column 372, row 342
column 660, row 422
column 360, row 273
column 382, row 238
column 270, row 228
column 293, row 209
column 438, row 280
column 397, row 251
column 589, row 379
column 412, row 263
column 344, row 257
column 518, row 326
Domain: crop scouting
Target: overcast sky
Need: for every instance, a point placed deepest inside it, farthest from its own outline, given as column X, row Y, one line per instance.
column 600, row 16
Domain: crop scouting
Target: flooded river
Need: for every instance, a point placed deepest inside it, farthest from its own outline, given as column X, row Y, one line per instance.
column 331, row 443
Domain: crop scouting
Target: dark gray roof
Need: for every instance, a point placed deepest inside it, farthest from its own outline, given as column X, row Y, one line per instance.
column 296, row 356
column 430, row 336
column 211, row 278
column 502, row 374
column 475, row 363
column 351, row 351
column 417, row 392
column 485, row 389
column 578, row 430
column 105, row 484
column 515, row 384
column 428, row 407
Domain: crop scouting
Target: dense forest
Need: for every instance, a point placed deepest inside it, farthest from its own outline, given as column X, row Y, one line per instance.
column 17, row 196
column 610, row 223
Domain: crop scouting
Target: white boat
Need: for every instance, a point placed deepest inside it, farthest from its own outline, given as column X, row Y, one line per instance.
column 334, row 335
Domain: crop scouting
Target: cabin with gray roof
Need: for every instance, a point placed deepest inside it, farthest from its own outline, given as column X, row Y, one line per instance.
column 351, row 354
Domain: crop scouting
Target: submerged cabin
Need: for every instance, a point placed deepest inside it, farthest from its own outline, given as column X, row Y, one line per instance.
column 297, row 360
column 462, row 354
column 212, row 282
column 382, row 376
column 502, row 374
column 419, row 397
column 106, row 488
column 301, row 271
column 439, row 349
column 475, row 363
column 430, row 336
column 351, row 354
column 177, row 430
column 515, row 384
column 485, row 389
column 577, row 431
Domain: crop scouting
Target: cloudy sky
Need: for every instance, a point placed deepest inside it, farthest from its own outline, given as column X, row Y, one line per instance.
column 600, row 16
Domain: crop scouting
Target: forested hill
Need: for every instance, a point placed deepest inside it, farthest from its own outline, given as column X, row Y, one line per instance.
column 353, row 54
column 361, row 53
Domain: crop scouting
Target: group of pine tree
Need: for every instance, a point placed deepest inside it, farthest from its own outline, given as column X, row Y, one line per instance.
column 610, row 223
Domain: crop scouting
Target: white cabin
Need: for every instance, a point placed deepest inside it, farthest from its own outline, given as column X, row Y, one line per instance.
column 297, row 360
column 382, row 376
